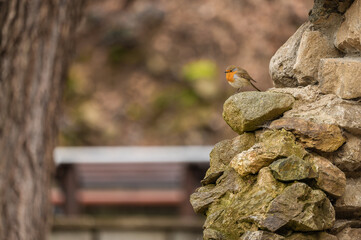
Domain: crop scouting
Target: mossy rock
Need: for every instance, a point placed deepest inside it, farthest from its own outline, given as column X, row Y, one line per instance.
column 247, row 111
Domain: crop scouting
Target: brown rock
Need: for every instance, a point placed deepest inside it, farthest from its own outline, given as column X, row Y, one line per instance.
column 313, row 46
column 330, row 178
column 349, row 204
column 324, row 137
column 350, row 234
column 273, row 144
column 341, row 76
column 348, row 157
column 348, row 36
column 329, row 109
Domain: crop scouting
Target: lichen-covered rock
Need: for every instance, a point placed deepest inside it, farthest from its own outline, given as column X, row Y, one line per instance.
column 341, row 76
column 273, row 144
column 301, row 209
column 329, row 177
column 261, row 235
column 223, row 152
column 265, row 204
column 206, row 195
column 314, row 46
column 323, row 9
column 247, row 111
column 348, row 36
column 211, row 234
column 239, row 211
column 324, row 137
column 291, row 169
column 312, row 236
column 349, row 204
column 281, row 64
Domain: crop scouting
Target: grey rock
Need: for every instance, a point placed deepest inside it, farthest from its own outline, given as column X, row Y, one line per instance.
column 311, row 236
column 223, row 152
column 329, row 109
column 291, row 169
column 301, row 209
column 349, row 204
column 261, row 235
column 239, row 211
column 206, row 195
column 282, row 63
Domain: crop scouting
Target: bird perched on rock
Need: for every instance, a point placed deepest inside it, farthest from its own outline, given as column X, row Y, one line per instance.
column 238, row 77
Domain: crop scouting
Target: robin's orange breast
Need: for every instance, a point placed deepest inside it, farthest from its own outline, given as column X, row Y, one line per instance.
column 229, row 76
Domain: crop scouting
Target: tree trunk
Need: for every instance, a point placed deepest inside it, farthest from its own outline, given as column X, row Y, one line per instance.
column 35, row 45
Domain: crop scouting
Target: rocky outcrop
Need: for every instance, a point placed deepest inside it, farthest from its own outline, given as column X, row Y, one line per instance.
column 284, row 177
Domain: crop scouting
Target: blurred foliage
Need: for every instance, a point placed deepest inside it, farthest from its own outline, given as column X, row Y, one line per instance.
column 151, row 72
column 200, row 69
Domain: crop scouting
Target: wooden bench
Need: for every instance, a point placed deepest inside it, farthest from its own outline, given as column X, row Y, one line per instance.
column 128, row 176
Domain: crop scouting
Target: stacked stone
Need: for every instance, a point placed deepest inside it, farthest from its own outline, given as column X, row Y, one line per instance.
column 284, row 176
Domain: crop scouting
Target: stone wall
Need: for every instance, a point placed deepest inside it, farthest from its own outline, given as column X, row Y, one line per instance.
column 294, row 171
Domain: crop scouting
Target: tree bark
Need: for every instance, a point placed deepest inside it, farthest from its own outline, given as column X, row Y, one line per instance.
column 35, row 45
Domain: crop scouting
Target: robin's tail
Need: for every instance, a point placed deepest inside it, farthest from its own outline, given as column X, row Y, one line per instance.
column 254, row 86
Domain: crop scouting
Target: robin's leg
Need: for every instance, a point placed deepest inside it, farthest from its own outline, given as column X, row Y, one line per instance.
column 238, row 90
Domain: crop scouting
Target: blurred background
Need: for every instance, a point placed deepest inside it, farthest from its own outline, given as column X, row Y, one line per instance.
column 151, row 73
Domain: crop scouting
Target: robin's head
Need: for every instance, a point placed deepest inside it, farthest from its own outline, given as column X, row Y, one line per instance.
column 230, row 68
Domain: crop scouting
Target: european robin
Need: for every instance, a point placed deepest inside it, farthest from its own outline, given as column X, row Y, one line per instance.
column 238, row 77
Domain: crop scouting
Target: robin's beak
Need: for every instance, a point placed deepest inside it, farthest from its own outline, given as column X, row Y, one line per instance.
column 225, row 72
